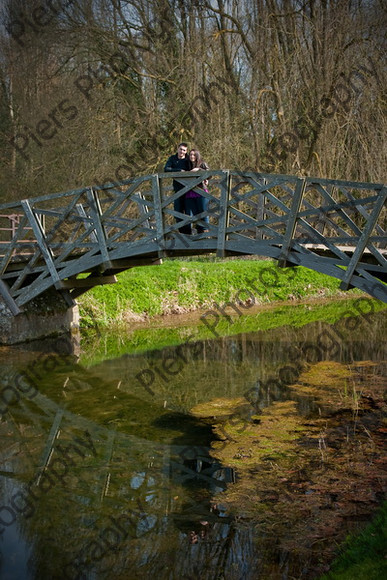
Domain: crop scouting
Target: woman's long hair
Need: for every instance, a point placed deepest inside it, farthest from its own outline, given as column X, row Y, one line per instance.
column 198, row 159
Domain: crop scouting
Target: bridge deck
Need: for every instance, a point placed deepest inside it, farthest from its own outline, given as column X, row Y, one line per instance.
column 334, row 227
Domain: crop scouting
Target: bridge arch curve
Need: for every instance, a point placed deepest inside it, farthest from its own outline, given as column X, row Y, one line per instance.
column 331, row 226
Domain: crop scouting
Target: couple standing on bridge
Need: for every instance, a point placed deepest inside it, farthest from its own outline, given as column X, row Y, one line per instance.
column 190, row 203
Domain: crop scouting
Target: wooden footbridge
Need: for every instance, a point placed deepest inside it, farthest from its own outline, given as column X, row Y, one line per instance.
column 75, row 240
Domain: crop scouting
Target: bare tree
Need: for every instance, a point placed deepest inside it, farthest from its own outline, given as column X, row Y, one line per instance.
column 97, row 90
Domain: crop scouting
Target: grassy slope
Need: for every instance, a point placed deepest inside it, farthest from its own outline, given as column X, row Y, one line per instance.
column 177, row 286
column 363, row 557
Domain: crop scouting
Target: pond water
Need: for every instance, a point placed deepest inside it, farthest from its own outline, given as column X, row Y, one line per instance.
column 247, row 455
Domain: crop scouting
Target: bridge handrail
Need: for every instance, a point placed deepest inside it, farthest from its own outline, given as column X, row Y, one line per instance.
column 106, row 228
column 211, row 173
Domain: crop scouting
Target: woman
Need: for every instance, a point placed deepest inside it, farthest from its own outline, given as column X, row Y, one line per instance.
column 194, row 202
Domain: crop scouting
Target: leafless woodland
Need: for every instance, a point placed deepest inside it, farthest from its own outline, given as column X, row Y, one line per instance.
column 97, row 90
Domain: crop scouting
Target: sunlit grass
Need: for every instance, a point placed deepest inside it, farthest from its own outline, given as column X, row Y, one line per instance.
column 183, row 286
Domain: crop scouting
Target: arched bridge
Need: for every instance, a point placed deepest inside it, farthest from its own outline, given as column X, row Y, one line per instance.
column 78, row 239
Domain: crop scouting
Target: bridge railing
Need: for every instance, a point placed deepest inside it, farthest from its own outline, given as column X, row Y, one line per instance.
column 102, row 229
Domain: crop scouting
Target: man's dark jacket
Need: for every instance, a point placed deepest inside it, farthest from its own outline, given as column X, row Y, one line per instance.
column 176, row 164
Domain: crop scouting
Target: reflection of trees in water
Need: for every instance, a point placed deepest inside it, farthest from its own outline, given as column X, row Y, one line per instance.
column 143, row 486
column 230, row 366
column 209, row 543
column 162, row 493
column 212, row 542
column 221, row 551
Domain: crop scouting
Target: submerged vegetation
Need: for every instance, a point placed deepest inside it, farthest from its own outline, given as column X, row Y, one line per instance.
column 307, row 480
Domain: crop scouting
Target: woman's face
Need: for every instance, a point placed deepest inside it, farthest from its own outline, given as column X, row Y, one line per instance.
column 192, row 156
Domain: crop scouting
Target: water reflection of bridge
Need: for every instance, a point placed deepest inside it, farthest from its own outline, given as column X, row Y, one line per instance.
column 74, row 476
column 334, row 227
column 159, row 487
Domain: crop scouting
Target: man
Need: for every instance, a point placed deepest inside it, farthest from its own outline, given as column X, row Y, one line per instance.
column 179, row 162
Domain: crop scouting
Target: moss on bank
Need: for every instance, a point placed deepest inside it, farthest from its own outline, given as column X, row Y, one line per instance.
column 182, row 286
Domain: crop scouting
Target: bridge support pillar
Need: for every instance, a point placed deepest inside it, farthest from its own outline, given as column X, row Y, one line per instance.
column 46, row 316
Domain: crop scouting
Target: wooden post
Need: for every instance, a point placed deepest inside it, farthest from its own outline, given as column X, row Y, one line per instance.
column 225, row 216
column 10, row 302
column 291, row 225
column 96, row 213
column 158, row 215
column 345, row 284
column 45, row 250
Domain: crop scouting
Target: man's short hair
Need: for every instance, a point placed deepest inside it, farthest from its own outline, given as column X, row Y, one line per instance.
column 182, row 145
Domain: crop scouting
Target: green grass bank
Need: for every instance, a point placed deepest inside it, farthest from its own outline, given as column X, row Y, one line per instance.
column 363, row 556
column 176, row 287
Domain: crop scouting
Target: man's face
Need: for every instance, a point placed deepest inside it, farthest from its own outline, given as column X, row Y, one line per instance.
column 181, row 152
